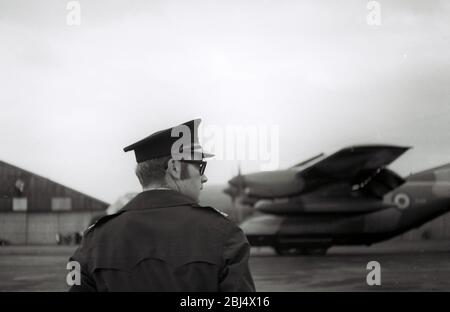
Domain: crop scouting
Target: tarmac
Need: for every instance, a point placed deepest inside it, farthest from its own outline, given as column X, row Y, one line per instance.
column 404, row 266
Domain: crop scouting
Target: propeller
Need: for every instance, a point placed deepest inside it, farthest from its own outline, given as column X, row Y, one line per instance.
column 236, row 185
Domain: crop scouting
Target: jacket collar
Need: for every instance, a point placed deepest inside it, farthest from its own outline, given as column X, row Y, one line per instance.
column 158, row 199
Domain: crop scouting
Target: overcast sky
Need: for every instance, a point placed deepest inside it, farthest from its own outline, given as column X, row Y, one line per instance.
column 73, row 96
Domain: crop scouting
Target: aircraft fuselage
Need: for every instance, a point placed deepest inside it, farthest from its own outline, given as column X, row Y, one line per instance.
column 414, row 203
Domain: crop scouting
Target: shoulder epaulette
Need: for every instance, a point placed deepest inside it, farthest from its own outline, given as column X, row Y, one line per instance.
column 101, row 221
column 209, row 207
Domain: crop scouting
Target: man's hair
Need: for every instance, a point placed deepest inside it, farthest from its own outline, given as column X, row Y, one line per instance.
column 152, row 171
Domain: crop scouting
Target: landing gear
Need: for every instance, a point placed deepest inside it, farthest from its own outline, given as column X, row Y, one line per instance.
column 286, row 251
column 296, row 251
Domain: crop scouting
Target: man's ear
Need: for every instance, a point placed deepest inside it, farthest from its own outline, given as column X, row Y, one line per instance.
column 174, row 169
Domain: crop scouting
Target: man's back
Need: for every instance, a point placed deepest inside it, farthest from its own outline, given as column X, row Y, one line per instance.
column 163, row 241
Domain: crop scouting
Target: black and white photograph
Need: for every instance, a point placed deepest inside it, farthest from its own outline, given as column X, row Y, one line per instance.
column 252, row 146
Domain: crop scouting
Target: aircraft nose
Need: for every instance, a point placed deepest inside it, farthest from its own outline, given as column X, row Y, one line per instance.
column 230, row 190
column 233, row 181
column 237, row 180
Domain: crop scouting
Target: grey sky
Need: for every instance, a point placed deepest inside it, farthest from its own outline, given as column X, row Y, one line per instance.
column 73, row 96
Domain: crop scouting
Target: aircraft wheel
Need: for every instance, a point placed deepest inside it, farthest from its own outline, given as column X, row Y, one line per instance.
column 296, row 251
column 318, row 251
column 287, row 251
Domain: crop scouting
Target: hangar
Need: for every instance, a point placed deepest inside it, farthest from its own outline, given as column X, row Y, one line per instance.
column 36, row 210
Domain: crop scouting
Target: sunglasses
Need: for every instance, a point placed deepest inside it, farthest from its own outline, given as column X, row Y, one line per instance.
column 201, row 164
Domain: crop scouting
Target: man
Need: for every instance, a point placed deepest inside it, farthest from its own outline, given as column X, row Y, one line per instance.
column 163, row 240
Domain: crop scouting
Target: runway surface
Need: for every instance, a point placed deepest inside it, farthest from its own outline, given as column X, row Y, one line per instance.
column 405, row 266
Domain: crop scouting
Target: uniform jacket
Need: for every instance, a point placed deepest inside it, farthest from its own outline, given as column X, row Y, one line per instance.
column 164, row 241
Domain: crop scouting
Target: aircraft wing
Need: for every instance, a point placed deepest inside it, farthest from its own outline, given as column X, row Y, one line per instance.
column 361, row 166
